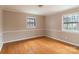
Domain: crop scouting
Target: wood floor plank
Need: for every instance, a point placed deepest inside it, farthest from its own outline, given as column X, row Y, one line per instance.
column 38, row 46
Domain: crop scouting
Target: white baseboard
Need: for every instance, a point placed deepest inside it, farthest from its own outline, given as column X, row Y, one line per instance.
column 22, row 39
column 18, row 35
column 63, row 41
column 40, row 36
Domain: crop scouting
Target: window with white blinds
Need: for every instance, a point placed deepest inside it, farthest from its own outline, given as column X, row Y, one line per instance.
column 31, row 22
column 71, row 22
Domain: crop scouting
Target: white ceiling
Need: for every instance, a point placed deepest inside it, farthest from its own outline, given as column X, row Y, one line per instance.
column 34, row 9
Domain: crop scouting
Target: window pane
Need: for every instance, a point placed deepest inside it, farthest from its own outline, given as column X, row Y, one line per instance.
column 31, row 23
column 71, row 22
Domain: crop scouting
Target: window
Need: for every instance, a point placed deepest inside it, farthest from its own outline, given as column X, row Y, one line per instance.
column 71, row 22
column 31, row 22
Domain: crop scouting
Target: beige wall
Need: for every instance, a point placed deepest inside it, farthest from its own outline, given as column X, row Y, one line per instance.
column 54, row 28
column 1, row 28
column 14, row 26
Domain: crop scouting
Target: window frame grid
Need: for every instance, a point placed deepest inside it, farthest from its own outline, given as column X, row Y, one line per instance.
column 67, row 30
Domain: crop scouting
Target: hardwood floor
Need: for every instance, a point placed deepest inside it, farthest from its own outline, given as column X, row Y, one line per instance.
column 41, row 45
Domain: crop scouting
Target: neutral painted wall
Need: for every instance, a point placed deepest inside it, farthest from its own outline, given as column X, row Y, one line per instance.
column 1, row 33
column 54, row 27
column 15, row 28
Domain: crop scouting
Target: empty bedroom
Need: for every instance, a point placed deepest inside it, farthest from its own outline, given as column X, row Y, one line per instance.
column 39, row 29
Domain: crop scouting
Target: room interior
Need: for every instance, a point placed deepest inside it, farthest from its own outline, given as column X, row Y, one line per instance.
column 39, row 29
